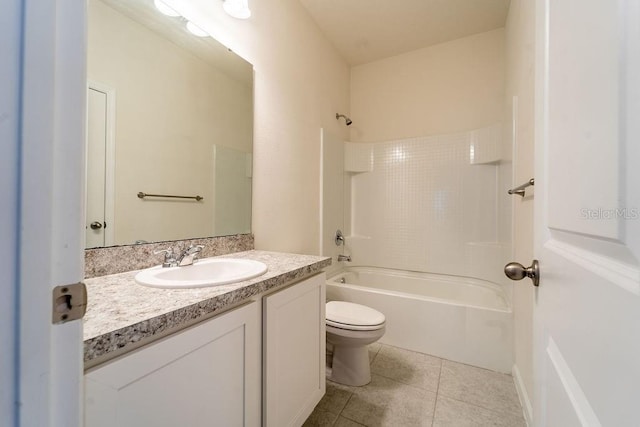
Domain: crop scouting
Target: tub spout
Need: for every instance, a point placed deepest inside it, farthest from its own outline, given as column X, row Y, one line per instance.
column 344, row 258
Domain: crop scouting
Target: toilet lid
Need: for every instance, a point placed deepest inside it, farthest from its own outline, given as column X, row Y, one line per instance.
column 342, row 313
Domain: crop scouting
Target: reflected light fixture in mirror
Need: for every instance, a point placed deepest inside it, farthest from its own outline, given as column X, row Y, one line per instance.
column 169, row 11
column 237, row 8
column 164, row 8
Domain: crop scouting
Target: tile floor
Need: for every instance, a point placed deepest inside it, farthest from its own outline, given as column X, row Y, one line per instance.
column 415, row 389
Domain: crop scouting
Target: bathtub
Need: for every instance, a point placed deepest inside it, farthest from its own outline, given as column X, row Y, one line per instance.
column 457, row 318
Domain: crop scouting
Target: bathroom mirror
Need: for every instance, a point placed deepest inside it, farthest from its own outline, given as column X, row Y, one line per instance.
column 169, row 114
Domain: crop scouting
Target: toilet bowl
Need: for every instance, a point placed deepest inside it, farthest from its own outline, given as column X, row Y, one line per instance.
column 350, row 328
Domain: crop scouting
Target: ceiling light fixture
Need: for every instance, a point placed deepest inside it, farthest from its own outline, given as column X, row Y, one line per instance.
column 164, row 8
column 237, row 8
column 195, row 30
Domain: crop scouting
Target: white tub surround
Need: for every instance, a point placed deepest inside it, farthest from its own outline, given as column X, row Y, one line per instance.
column 430, row 203
column 457, row 318
column 123, row 315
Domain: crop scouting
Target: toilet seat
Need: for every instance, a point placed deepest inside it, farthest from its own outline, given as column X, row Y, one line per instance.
column 354, row 327
column 355, row 317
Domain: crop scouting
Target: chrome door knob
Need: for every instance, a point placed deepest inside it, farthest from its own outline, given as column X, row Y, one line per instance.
column 95, row 225
column 516, row 271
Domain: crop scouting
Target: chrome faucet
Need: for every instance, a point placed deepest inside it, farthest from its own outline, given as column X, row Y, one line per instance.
column 344, row 258
column 187, row 257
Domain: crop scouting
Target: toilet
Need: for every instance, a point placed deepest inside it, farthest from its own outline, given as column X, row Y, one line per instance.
column 350, row 329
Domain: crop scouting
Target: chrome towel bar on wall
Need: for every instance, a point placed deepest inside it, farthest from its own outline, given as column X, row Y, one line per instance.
column 519, row 190
column 142, row 195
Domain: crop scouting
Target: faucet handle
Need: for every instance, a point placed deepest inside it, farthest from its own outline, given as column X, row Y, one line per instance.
column 169, row 257
column 194, row 249
column 167, row 252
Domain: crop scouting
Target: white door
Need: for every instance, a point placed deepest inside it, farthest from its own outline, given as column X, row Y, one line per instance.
column 587, row 223
column 95, row 222
column 50, row 209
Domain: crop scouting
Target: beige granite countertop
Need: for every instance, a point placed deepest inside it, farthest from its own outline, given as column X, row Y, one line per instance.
column 121, row 313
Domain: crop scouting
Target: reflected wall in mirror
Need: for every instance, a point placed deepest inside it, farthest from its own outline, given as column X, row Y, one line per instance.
column 168, row 113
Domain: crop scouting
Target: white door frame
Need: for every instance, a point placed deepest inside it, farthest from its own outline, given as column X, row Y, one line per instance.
column 10, row 43
column 51, row 215
column 110, row 156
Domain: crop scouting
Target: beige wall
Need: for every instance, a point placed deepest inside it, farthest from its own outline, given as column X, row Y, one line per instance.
column 520, row 84
column 445, row 88
column 171, row 108
column 300, row 83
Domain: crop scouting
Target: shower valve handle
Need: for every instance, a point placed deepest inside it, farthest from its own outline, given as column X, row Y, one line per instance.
column 516, row 271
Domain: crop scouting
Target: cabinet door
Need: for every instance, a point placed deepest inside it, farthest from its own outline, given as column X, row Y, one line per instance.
column 206, row 375
column 294, row 352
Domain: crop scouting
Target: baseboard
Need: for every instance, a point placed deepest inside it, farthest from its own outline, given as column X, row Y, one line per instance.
column 527, row 410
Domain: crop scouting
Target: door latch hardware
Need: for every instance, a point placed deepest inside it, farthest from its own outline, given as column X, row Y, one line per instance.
column 69, row 303
column 96, row 225
column 517, row 271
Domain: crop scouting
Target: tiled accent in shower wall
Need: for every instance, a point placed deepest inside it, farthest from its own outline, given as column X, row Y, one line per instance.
column 430, row 204
column 118, row 259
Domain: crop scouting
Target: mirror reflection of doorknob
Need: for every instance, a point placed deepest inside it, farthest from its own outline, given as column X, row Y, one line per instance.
column 95, row 225
column 516, row 271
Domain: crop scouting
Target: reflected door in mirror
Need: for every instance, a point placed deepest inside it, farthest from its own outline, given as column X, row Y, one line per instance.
column 96, row 167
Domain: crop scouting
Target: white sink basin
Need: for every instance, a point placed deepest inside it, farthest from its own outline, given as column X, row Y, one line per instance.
column 205, row 272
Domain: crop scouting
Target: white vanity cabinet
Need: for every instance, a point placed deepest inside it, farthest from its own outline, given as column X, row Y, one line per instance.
column 262, row 363
column 206, row 375
column 294, row 352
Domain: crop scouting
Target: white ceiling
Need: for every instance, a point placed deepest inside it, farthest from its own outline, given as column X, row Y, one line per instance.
column 367, row 30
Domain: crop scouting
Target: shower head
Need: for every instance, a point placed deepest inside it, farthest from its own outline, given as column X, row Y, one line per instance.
column 346, row 119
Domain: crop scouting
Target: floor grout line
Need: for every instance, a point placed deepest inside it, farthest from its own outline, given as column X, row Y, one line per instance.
column 375, row 356
column 433, row 417
column 343, row 408
column 435, row 404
